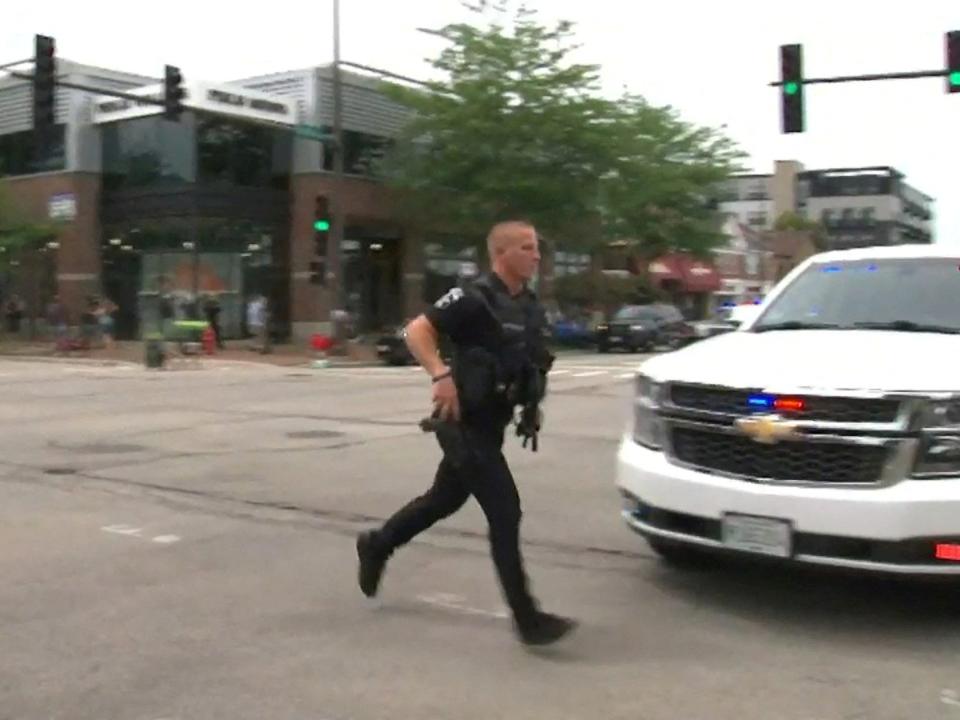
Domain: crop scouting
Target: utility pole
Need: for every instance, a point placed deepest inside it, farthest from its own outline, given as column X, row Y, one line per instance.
column 335, row 252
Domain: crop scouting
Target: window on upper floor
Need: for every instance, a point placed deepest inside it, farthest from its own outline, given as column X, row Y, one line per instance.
column 19, row 153
column 362, row 151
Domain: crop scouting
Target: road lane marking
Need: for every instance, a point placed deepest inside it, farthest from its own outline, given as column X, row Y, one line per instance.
column 590, row 373
column 122, row 530
column 457, row 603
column 131, row 531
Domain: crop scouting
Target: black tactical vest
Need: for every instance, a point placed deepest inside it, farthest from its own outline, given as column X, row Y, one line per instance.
column 501, row 370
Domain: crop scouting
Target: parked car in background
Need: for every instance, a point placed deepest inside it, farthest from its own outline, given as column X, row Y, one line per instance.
column 392, row 348
column 571, row 333
column 643, row 327
column 726, row 320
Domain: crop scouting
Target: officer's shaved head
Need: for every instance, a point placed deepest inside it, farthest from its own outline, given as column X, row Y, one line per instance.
column 504, row 235
column 514, row 251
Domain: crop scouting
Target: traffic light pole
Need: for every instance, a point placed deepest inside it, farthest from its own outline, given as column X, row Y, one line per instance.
column 96, row 90
column 867, row 78
column 339, row 294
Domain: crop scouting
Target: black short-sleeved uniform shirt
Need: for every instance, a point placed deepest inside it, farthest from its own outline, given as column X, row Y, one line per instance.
column 463, row 316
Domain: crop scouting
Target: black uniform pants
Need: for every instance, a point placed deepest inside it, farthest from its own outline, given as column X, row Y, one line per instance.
column 473, row 464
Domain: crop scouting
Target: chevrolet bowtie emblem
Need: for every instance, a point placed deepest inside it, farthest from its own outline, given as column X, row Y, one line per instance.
column 768, row 429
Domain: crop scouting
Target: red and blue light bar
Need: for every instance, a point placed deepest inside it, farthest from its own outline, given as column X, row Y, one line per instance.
column 773, row 402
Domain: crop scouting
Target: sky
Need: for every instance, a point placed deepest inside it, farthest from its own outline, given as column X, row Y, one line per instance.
column 712, row 61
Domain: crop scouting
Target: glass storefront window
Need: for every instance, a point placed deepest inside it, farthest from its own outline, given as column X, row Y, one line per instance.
column 149, row 152
column 448, row 263
column 362, row 151
column 242, row 154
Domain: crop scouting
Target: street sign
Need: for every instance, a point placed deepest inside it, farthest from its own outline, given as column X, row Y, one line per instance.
column 62, row 206
column 311, row 132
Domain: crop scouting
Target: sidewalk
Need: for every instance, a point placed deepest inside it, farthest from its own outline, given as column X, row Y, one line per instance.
column 236, row 351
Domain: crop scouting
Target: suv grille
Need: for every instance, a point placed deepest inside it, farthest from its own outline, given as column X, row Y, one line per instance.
column 823, row 409
column 789, row 461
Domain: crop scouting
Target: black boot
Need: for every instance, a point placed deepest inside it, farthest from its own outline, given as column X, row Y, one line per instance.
column 544, row 628
column 373, row 559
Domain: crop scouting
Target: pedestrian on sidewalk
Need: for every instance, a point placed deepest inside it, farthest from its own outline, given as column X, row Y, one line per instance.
column 497, row 326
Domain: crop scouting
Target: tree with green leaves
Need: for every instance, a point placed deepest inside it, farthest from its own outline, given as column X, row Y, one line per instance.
column 790, row 220
column 516, row 129
column 22, row 246
column 18, row 234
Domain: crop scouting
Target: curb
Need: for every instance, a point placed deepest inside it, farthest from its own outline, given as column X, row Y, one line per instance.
column 68, row 360
column 98, row 362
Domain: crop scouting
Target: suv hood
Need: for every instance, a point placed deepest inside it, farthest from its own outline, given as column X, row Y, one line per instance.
column 797, row 360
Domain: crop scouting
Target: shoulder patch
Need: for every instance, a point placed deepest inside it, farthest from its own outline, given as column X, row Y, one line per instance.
column 451, row 297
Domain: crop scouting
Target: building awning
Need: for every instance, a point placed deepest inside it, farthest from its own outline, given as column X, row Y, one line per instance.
column 666, row 267
column 693, row 276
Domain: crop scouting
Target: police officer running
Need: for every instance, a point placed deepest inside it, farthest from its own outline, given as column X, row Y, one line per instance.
column 497, row 328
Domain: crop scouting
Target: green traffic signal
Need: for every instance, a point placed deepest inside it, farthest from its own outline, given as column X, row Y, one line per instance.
column 321, row 225
column 791, row 88
column 955, row 78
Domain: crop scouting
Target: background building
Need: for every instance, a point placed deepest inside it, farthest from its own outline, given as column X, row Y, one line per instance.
column 857, row 206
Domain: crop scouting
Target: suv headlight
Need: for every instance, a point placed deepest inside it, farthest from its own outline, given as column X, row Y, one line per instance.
column 939, row 453
column 648, row 428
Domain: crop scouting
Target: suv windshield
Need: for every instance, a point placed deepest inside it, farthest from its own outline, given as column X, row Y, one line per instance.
column 903, row 294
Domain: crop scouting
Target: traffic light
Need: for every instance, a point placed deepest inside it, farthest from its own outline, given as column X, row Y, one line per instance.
column 44, row 84
column 173, row 92
column 791, row 89
column 953, row 61
column 321, row 237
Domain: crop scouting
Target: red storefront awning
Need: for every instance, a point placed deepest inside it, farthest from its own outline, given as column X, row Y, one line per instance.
column 694, row 276
column 701, row 277
column 667, row 267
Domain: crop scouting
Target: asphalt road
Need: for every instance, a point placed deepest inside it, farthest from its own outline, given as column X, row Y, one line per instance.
column 179, row 546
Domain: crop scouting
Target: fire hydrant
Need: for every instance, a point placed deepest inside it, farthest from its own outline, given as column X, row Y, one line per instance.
column 321, row 344
column 209, row 340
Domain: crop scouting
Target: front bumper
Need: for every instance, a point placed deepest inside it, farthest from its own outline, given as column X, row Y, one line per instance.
column 888, row 529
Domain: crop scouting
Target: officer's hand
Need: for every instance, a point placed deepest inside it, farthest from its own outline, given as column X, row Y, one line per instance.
column 446, row 404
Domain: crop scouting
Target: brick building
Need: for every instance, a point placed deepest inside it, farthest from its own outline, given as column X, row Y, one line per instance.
column 220, row 202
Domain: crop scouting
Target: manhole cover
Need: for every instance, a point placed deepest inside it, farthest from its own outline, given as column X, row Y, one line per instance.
column 102, row 448
column 314, row 434
column 60, row 471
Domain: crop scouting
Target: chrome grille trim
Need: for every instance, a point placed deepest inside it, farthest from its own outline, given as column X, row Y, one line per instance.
column 900, row 456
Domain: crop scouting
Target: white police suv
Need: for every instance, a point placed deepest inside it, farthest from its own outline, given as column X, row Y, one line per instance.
column 824, row 430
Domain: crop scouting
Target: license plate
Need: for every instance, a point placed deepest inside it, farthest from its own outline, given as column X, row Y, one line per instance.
column 382, row 348
column 766, row 536
column 615, row 340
